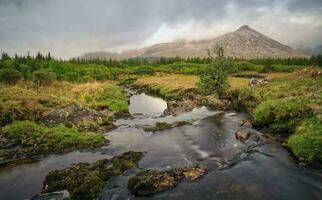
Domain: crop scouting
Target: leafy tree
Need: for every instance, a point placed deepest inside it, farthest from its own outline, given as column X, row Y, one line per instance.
column 214, row 78
column 10, row 76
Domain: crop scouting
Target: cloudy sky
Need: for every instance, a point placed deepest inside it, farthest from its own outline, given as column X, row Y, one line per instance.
column 69, row 28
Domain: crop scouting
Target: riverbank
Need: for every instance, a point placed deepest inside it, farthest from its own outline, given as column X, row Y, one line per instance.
column 61, row 117
column 289, row 104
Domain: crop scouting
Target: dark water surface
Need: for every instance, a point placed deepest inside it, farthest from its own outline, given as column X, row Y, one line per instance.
column 268, row 171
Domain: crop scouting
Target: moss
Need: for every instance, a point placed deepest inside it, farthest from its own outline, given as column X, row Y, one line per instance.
column 33, row 139
column 86, row 181
column 307, row 140
column 282, row 114
column 164, row 125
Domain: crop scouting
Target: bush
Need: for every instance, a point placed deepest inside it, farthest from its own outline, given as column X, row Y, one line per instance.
column 307, row 140
column 42, row 78
column 247, row 66
column 143, row 70
column 10, row 76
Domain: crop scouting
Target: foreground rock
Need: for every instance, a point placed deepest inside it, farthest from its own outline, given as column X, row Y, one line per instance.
column 152, row 181
column 86, row 181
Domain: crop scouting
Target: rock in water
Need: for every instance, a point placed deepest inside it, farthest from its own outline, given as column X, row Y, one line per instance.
column 242, row 135
column 59, row 195
column 246, row 123
column 152, row 181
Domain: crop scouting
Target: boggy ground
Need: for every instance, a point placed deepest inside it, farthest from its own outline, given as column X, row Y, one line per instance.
column 288, row 105
column 56, row 118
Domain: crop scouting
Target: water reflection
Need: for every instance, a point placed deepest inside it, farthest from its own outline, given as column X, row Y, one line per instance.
column 147, row 105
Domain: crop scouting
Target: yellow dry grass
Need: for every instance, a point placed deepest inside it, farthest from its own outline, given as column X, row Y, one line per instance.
column 60, row 92
column 179, row 81
column 171, row 81
column 236, row 83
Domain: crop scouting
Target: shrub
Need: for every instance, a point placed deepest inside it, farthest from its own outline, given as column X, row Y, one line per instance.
column 10, row 76
column 143, row 70
column 42, row 78
column 307, row 140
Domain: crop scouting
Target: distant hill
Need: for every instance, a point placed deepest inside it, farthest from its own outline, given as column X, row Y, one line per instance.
column 243, row 43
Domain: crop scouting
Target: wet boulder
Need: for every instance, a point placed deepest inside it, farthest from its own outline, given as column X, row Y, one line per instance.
column 246, row 123
column 242, row 135
column 152, row 181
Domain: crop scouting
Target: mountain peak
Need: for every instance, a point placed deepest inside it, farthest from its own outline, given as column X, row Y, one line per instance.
column 244, row 27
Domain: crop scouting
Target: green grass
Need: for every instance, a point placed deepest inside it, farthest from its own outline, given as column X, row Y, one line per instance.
column 109, row 96
column 34, row 139
column 282, row 115
column 23, row 102
column 307, row 140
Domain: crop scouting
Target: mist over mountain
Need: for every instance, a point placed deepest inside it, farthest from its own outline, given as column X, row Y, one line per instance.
column 245, row 43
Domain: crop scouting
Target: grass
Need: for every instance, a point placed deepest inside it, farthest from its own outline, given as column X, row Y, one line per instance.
column 101, row 95
column 173, row 86
column 289, row 104
column 306, row 143
column 34, row 139
column 23, row 101
column 169, row 86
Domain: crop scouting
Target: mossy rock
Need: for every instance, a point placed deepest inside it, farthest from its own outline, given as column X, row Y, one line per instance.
column 86, row 181
column 153, row 181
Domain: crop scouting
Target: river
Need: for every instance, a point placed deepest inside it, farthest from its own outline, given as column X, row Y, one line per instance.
column 236, row 170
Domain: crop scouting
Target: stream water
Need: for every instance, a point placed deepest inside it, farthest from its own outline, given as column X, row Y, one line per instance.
column 237, row 170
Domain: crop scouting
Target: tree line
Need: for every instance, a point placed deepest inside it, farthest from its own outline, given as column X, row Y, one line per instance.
column 43, row 69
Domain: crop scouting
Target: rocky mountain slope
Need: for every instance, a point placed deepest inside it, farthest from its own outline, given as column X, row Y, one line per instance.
column 243, row 43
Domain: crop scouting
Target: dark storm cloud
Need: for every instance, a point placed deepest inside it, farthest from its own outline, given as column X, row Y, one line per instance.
column 72, row 27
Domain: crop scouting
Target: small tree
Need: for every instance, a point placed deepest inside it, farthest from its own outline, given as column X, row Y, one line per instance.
column 214, row 78
column 10, row 76
column 43, row 78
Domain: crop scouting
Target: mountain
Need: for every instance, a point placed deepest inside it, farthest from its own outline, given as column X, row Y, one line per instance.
column 243, row 43
column 109, row 55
